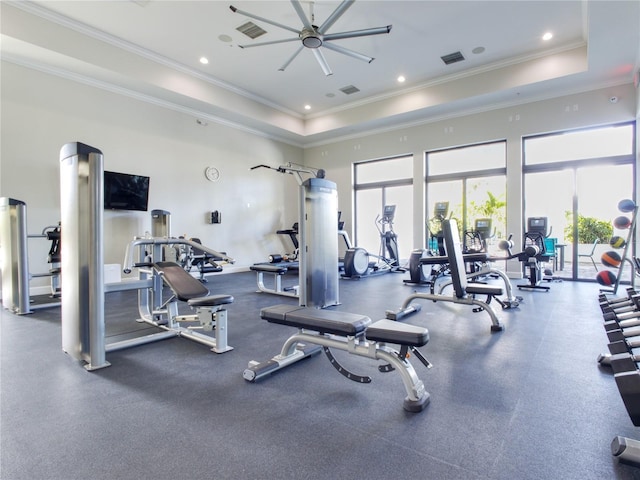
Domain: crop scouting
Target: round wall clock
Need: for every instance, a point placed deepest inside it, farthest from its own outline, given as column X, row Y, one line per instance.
column 212, row 174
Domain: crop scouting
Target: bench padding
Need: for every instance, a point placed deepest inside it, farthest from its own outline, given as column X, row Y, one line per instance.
column 269, row 268
column 442, row 259
column 323, row 321
column 483, row 289
column 183, row 285
column 210, row 301
column 389, row 331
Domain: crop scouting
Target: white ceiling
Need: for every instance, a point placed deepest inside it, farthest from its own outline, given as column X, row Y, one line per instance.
column 150, row 49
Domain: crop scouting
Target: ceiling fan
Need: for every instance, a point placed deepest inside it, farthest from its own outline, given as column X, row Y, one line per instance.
column 314, row 37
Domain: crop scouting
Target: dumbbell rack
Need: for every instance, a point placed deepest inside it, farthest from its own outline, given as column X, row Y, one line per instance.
column 625, row 253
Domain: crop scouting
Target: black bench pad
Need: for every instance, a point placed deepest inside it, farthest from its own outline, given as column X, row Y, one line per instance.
column 323, row 321
column 482, row 289
column 441, row 259
column 269, row 268
column 395, row 332
column 210, row 301
column 183, row 285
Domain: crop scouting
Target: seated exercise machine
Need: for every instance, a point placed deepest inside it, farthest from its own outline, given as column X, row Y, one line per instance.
column 14, row 259
column 357, row 261
column 535, row 253
column 83, row 287
column 210, row 311
column 478, row 260
column 196, row 257
column 464, row 292
column 351, row 333
column 187, row 255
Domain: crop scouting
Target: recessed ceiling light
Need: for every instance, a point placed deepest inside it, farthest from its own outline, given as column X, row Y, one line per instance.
column 307, row 107
column 401, row 79
column 547, row 36
column 204, row 60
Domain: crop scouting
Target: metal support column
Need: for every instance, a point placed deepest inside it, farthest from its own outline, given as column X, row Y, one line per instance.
column 82, row 252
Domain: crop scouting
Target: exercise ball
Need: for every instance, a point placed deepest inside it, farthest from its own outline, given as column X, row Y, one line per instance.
column 606, row 278
column 622, row 222
column 611, row 259
column 626, row 205
column 617, row 242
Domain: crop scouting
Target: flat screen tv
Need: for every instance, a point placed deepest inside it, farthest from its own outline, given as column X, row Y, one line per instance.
column 123, row 191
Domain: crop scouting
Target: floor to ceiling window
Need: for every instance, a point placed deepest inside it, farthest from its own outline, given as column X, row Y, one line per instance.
column 575, row 180
column 472, row 181
column 378, row 183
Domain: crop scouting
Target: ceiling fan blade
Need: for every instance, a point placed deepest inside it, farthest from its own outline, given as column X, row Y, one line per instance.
column 337, row 13
column 273, row 42
column 358, row 33
column 303, row 17
column 321, row 60
column 346, row 51
column 286, row 64
column 262, row 19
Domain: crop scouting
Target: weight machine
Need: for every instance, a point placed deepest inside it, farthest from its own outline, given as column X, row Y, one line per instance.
column 83, row 285
column 318, row 239
column 14, row 259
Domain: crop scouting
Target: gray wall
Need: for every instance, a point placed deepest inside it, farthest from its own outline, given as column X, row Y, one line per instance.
column 41, row 113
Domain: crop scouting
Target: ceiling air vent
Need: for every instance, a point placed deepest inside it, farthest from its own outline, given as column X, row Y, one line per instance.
column 251, row 30
column 452, row 58
column 349, row 89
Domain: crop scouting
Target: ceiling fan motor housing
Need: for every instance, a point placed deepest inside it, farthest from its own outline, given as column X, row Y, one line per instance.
column 310, row 37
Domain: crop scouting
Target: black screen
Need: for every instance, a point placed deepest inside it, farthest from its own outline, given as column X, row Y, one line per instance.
column 125, row 192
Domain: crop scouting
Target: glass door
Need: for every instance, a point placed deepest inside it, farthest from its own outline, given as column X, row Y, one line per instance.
column 579, row 207
column 598, row 191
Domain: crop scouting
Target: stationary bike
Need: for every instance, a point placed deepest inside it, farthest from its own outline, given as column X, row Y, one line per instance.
column 535, row 252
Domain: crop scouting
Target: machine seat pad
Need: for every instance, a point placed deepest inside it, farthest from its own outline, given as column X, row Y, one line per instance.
column 323, row 321
column 183, row 285
column 269, row 268
column 389, row 331
column 210, row 301
column 482, row 289
column 442, row 259
column 210, row 269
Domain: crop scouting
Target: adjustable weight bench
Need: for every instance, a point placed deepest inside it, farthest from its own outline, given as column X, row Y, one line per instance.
column 464, row 291
column 210, row 311
column 509, row 301
column 351, row 333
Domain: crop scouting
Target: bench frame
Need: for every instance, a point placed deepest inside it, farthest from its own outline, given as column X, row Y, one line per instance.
column 210, row 310
column 276, row 272
column 463, row 291
column 306, row 343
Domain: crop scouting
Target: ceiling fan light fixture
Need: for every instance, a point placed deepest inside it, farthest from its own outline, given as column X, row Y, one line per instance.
column 311, row 38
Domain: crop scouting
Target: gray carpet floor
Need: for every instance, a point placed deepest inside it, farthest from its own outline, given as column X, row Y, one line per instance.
column 530, row 402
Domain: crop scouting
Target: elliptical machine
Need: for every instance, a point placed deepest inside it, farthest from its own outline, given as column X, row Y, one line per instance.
column 357, row 260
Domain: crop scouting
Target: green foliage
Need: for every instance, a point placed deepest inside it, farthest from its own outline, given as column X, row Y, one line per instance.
column 494, row 207
column 589, row 228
